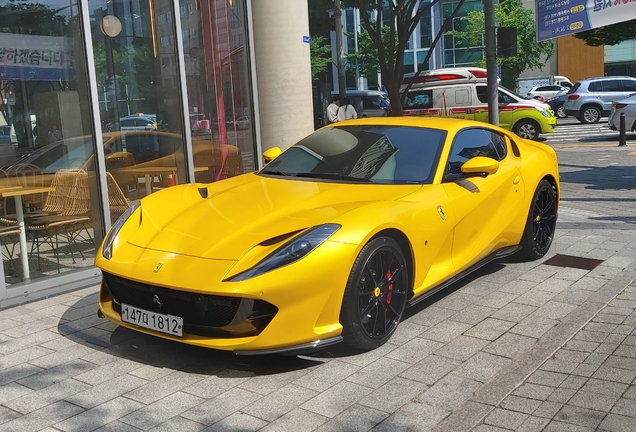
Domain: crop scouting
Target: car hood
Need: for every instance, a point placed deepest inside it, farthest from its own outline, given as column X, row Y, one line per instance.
column 224, row 220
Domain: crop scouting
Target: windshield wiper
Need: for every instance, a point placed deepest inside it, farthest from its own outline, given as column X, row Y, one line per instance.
column 332, row 176
column 278, row 173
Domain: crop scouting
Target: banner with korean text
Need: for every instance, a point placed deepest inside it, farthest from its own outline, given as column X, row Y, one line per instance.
column 563, row 17
column 32, row 57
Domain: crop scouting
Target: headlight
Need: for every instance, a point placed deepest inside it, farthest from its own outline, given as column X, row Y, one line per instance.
column 107, row 250
column 290, row 252
column 544, row 112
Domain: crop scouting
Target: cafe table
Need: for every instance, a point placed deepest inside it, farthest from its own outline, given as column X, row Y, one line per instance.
column 151, row 171
column 17, row 192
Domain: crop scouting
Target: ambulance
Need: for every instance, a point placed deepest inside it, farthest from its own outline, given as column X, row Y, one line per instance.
column 461, row 93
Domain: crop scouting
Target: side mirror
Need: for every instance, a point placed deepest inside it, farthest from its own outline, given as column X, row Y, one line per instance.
column 271, row 154
column 480, row 166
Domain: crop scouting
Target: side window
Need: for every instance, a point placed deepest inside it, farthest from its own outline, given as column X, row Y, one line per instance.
column 468, row 144
column 419, row 99
column 500, row 145
column 594, row 86
column 612, row 86
column 371, row 102
column 462, row 97
column 482, row 94
column 504, row 98
column 629, row 85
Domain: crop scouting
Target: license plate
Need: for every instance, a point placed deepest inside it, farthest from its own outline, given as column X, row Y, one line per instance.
column 170, row 324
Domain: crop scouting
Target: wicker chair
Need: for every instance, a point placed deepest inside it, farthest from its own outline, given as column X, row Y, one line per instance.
column 70, row 222
column 9, row 237
column 116, row 198
column 30, row 175
column 56, row 201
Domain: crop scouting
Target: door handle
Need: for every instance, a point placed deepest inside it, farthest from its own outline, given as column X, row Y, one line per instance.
column 516, row 180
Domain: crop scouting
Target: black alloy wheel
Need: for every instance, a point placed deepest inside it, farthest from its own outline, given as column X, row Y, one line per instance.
column 376, row 294
column 539, row 232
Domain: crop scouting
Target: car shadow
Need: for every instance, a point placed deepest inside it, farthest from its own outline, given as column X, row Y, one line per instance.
column 341, row 350
column 613, row 177
column 104, row 336
column 108, row 338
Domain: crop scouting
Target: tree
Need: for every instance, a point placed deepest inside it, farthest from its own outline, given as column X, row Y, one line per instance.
column 609, row 35
column 320, row 52
column 403, row 16
column 366, row 57
column 530, row 53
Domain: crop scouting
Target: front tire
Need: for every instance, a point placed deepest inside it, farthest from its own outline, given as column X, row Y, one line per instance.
column 376, row 294
column 560, row 111
column 539, row 231
column 527, row 129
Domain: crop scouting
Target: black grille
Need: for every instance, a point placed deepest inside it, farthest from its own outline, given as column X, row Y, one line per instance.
column 195, row 309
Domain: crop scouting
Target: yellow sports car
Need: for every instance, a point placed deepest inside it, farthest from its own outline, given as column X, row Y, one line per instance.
column 333, row 239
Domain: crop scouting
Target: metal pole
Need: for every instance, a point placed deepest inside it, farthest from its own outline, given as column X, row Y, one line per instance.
column 491, row 63
column 342, row 87
column 622, row 140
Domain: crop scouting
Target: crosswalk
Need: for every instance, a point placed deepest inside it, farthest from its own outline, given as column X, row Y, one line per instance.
column 570, row 131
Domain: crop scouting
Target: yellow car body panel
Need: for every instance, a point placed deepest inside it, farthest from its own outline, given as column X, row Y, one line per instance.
column 200, row 238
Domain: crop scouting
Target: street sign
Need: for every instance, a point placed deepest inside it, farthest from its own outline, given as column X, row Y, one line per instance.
column 563, row 17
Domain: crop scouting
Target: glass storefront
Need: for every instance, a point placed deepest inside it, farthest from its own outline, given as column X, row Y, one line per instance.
column 172, row 89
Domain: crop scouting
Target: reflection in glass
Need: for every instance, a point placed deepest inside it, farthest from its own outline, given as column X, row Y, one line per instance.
column 220, row 108
column 374, row 154
column 134, row 49
column 47, row 181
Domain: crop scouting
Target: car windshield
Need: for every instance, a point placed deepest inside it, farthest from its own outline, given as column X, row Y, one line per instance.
column 514, row 94
column 369, row 154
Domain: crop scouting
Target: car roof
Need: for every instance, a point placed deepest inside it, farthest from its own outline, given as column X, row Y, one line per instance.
column 605, row 78
column 444, row 123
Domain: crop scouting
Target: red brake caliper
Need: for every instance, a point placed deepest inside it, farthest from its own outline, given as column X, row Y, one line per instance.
column 388, row 295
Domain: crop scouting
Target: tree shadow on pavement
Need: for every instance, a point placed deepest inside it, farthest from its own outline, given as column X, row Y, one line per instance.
column 108, row 338
column 615, row 177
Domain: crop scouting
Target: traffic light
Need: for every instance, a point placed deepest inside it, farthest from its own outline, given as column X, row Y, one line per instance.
column 506, row 41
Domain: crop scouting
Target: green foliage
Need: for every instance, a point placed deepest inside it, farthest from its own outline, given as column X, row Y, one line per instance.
column 609, row 35
column 320, row 52
column 530, row 53
column 367, row 57
column 320, row 23
column 390, row 40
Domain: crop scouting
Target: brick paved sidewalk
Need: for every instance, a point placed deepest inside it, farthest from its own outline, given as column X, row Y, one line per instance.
column 521, row 346
column 587, row 383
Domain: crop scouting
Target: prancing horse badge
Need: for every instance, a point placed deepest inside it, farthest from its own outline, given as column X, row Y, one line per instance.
column 441, row 212
column 156, row 270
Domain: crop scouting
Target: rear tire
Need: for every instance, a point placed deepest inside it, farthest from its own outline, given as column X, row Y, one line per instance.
column 527, row 129
column 539, row 231
column 590, row 114
column 376, row 294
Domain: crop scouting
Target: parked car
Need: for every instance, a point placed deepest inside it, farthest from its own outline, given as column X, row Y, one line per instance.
column 626, row 106
column 135, row 149
column 138, row 122
column 590, row 99
column 556, row 104
column 367, row 216
column 546, row 92
column 368, row 103
column 242, row 122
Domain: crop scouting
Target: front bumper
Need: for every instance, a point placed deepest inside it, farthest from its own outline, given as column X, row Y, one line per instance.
column 294, row 308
